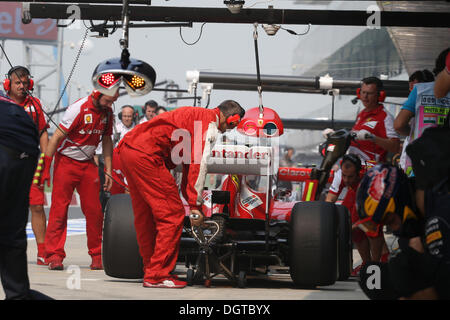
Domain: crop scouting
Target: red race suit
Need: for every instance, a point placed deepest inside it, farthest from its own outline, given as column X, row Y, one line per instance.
column 337, row 186
column 147, row 153
column 33, row 107
column 380, row 123
column 74, row 167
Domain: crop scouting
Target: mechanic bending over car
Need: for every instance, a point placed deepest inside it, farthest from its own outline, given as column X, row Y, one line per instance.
column 420, row 269
column 349, row 176
column 147, row 153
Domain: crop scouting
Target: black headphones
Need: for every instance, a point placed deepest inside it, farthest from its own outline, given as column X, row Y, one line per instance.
column 354, row 159
column 135, row 113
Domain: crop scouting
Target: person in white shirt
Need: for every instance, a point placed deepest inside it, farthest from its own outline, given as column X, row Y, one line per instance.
column 149, row 110
column 126, row 123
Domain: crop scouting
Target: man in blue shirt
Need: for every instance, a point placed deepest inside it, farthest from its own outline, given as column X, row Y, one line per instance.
column 427, row 111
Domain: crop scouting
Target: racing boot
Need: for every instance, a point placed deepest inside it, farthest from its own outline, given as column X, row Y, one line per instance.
column 41, row 255
column 96, row 263
column 55, row 264
column 355, row 272
column 172, row 282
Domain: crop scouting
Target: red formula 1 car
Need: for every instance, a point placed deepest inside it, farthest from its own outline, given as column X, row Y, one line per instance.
column 249, row 226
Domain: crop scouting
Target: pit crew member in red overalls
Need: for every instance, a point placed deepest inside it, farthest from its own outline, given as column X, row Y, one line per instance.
column 349, row 176
column 147, row 153
column 17, row 85
column 374, row 127
column 375, row 137
column 119, row 184
column 85, row 123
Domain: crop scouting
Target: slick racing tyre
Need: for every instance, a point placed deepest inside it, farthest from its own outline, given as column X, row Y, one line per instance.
column 313, row 244
column 345, row 252
column 120, row 251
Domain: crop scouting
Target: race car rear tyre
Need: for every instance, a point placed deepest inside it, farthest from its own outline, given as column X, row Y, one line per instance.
column 345, row 252
column 313, row 244
column 190, row 277
column 242, row 279
column 120, row 252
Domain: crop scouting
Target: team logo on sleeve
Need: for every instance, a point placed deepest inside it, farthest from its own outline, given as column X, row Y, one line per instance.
column 371, row 124
column 88, row 118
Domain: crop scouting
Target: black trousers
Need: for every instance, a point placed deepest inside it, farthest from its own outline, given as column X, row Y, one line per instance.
column 104, row 195
column 16, row 174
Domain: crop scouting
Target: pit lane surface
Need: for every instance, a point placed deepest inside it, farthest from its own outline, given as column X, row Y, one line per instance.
column 78, row 282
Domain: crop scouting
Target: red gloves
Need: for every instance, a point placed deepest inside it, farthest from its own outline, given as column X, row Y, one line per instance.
column 46, row 171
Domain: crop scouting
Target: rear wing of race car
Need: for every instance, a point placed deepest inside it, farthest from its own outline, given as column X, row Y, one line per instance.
column 302, row 175
column 243, row 160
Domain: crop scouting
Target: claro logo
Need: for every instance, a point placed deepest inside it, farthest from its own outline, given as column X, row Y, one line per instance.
column 293, row 172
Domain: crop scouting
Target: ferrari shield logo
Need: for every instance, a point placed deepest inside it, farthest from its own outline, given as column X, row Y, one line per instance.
column 88, row 118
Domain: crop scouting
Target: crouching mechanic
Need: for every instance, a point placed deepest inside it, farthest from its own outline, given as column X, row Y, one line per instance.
column 147, row 153
column 349, row 176
column 85, row 123
column 421, row 268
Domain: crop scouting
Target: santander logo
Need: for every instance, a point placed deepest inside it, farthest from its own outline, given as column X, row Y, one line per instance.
column 240, row 153
column 240, row 159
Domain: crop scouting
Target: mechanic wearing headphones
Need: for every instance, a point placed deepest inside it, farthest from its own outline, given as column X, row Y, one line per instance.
column 374, row 128
column 85, row 123
column 147, row 153
column 17, row 85
column 127, row 122
column 349, row 177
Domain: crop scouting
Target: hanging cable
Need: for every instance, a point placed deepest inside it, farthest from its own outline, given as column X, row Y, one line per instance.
column 70, row 74
column 332, row 111
column 295, row 33
column 251, row 6
column 258, row 74
column 198, row 39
